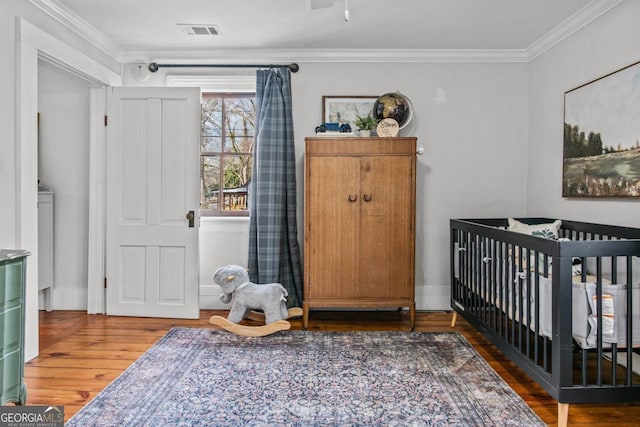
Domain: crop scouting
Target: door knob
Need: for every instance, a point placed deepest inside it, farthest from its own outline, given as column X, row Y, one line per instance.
column 190, row 216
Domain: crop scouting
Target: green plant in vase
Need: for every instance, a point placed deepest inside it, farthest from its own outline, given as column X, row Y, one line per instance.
column 365, row 124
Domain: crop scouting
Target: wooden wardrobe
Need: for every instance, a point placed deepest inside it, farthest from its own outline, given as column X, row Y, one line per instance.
column 359, row 232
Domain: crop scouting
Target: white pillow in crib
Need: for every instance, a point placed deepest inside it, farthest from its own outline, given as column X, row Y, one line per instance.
column 549, row 230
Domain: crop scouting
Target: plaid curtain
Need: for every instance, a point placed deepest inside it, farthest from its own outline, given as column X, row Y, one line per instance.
column 274, row 253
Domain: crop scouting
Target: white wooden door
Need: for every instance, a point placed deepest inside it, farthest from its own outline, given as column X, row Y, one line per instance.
column 152, row 173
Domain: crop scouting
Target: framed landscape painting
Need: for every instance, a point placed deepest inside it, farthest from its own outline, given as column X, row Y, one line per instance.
column 345, row 109
column 601, row 155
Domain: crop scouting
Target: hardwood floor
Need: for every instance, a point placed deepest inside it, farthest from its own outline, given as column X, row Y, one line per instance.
column 80, row 354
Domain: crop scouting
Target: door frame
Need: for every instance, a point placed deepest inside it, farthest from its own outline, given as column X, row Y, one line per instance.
column 96, row 300
column 33, row 43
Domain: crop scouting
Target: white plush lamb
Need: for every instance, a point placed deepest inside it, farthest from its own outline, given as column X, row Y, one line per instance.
column 244, row 295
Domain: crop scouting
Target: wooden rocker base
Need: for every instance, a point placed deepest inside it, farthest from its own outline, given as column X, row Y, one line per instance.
column 259, row 317
column 250, row 331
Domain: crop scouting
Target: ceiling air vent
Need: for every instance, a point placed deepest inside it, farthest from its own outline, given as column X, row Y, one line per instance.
column 199, row 29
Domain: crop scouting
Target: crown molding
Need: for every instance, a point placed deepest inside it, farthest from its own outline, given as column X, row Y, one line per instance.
column 79, row 26
column 329, row 55
column 575, row 22
column 586, row 15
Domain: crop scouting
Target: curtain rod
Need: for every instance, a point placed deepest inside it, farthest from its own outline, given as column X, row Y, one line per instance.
column 293, row 67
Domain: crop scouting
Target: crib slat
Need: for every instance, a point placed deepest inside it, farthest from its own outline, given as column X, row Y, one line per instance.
column 614, row 365
column 545, row 355
column 599, row 317
column 583, row 368
column 492, row 291
column 511, row 298
column 536, row 310
column 629, row 378
column 520, row 299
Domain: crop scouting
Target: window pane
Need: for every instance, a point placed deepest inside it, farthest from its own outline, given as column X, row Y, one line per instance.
column 211, row 116
column 237, row 172
column 239, row 124
column 226, row 149
column 210, row 181
column 210, row 144
column 211, row 125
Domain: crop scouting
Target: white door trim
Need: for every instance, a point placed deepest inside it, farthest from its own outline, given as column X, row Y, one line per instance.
column 97, row 179
column 31, row 44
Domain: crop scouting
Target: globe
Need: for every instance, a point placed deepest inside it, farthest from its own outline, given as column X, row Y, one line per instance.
column 393, row 105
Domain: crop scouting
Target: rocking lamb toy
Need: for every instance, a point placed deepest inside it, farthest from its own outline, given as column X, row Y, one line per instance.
column 244, row 295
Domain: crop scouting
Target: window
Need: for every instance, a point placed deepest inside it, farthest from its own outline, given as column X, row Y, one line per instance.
column 226, row 153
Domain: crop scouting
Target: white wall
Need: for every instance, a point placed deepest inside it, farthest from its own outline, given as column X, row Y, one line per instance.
column 223, row 241
column 63, row 156
column 474, row 136
column 604, row 46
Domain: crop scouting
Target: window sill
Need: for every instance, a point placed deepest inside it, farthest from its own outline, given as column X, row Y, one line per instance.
column 212, row 219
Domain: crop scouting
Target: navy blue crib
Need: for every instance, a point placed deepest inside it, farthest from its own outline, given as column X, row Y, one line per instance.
column 566, row 310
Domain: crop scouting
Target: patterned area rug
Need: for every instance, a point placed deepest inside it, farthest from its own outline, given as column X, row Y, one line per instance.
column 202, row 377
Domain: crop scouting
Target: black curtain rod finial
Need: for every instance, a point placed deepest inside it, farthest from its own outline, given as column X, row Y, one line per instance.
column 294, row 68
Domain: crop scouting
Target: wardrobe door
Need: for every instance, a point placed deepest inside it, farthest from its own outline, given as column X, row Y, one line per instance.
column 386, row 226
column 333, row 227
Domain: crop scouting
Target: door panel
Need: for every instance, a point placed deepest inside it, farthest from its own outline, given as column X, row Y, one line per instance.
column 386, row 233
column 173, row 197
column 133, row 137
column 152, row 182
column 334, row 226
column 172, row 269
column 132, row 282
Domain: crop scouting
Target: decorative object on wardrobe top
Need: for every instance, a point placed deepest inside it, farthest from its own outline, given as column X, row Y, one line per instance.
column 388, row 128
column 366, row 124
column 339, row 114
column 394, row 105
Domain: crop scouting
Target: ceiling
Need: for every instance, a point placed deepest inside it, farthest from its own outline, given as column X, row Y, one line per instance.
column 145, row 28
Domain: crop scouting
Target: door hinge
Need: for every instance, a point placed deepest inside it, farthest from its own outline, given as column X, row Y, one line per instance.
column 105, row 283
column 106, row 119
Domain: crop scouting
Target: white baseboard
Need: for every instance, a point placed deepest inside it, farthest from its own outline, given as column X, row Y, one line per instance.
column 210, row 298
column 76, row 299
column 433, row 298
column 66, row 299
column 428, row 298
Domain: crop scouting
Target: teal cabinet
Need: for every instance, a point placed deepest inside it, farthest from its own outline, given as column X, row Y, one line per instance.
column 13, row 268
